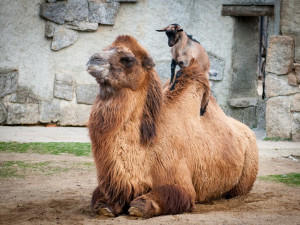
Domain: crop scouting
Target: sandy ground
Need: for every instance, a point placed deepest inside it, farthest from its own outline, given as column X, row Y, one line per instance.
column 64, row 196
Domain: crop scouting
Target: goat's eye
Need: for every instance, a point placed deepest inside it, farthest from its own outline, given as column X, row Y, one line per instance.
column 127, row 61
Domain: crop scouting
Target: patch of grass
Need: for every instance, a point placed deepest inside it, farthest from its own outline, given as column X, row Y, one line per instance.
column 21, row 169
column 292, row 179
column 53, row 148
column 277, row 139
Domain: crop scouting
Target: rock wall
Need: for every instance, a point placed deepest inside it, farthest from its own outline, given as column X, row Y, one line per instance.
column 45, row 45
column 283, row 76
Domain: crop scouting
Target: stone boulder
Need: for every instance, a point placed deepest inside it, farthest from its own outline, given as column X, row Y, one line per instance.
column 8, row 80
column 63, row 38
column 242, row 102
column 22, row 114
column 103, row 13
column 295, row 107
column 75, row 115
column 55, row 12
column 63, row 86
column 83, row 26
column 278, row 85
column 49, row 111
column 296, row 127
column 3, row 113
column 86, row 93
column 280, row 55
column 278, row 117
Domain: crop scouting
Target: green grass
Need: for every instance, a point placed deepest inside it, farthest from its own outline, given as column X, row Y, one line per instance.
column 277, row 139
column 21, row 169
column 53, row 148
column 291, row 179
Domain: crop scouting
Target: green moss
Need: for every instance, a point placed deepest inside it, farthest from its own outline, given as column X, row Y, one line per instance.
column 54, row 148
column 292, row 179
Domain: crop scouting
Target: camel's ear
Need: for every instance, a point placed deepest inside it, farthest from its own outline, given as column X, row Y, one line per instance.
column 151, row 111
column 148, row 62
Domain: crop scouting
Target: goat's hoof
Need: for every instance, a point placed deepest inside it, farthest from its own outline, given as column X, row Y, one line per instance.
column 106, row 212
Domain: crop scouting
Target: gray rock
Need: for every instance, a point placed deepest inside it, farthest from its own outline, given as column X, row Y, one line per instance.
column 292, row 79
column 280, row 55
column 86, row 93
column 278, row 117
column 77, row 10
column 50, row 28
column 245, row 115
column 297, row 71
column 22, row 114
column 122, row 1
column 242, row 102
column 296, row 127
column 63, row 38
column 278, row 85
column 63, row 86
column 8, row 80
column 216, row 67
column 83, row 26
column 290, row 17
column 55, row 12
column 75, row 115
column 49, row 111
column 3, row 113
column 103, row 13
column 261, row 114
column 295, row 107
column 23, row 95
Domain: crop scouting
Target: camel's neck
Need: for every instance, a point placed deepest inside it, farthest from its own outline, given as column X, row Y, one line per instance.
column 108, row 116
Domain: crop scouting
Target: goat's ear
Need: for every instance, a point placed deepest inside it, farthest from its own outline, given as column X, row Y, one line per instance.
column 162, row 29
column 151, row 111
column 148, row 62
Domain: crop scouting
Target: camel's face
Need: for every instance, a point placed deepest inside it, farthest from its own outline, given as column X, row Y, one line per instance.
column 115, row 68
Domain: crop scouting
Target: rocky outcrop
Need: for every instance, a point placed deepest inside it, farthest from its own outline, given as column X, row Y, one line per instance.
column 81, row 15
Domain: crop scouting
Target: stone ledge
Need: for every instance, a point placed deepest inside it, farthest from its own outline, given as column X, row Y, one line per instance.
column 243, row 102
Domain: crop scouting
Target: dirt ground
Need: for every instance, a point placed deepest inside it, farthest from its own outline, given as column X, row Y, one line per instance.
column 63, row 197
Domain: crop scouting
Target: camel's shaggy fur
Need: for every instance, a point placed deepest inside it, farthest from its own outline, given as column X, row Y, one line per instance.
column 154, row 154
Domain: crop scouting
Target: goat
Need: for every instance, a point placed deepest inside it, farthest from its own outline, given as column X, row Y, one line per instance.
column 183, row 49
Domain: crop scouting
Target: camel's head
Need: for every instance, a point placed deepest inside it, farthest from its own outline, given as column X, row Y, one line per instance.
column 122, row 65
column 173, row 33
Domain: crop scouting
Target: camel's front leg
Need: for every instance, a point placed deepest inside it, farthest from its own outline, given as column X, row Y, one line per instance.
column 163, row 200
column 99, row 204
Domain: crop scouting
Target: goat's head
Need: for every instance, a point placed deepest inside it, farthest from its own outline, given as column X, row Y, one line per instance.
column 172, row 31
column 121, row 65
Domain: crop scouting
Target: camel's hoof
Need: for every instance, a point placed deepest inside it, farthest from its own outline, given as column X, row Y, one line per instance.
column 134, row 211
column 106, row 212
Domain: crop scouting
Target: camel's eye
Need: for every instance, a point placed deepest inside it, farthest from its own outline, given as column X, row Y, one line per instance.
column 127, row 61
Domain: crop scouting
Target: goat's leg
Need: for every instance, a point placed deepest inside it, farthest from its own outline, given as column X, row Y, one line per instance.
column 173, row 67
column 176, row 77
column 163, row 200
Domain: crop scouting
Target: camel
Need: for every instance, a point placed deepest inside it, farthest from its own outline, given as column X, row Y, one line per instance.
column 154, row 154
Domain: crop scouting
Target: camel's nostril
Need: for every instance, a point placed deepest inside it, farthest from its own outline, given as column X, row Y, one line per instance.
column 180, row 63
